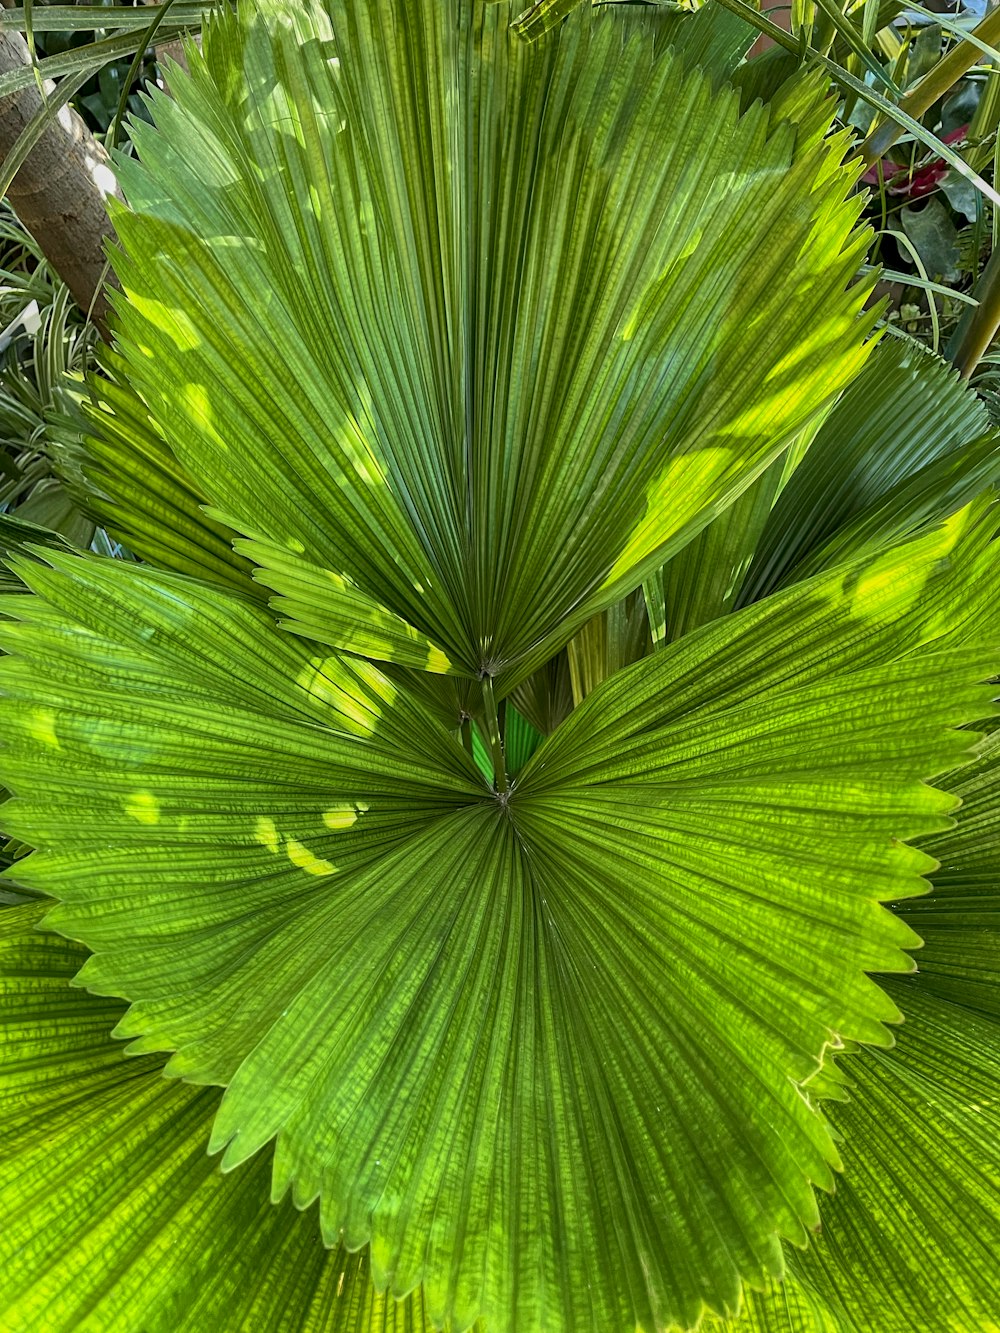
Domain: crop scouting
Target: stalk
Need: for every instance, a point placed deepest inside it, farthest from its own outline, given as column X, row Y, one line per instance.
column 496, row 742
column 978, row 326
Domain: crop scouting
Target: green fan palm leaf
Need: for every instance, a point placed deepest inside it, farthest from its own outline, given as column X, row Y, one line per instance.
column 902, row 446
column 308, row 892
column 429, row 437
column 931, row 1220
column 910, row 1238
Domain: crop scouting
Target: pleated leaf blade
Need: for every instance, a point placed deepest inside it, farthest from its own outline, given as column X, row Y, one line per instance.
column 450, row 328
column 440, row 1003
column 115, row 1217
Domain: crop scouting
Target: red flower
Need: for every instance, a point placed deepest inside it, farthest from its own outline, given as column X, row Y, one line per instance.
column 922, row 179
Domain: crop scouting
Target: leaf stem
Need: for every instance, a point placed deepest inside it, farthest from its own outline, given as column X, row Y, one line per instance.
column 978, row 326
column 496, row 741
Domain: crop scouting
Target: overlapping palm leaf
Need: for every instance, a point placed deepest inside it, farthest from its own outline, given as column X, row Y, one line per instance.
column 556, row 1052
column 904, row 446
column 488, row 409
column 910, row 1238
column 960, row 923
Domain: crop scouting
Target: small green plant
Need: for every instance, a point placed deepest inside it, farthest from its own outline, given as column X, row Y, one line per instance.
column 554, row 605
column 45, row 340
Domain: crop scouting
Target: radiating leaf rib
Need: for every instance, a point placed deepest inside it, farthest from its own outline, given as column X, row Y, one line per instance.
column 454, row 395
column 910, row 1239
column 115, row 1218
column 960, row 922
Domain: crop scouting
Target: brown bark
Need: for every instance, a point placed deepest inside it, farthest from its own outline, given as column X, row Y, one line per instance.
column 782, row 16
column 59, row 193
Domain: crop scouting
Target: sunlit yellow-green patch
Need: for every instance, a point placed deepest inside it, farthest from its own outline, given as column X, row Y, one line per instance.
column 267, row 834
column 304, row 859
column 144, row 807
column 42, row 725
column 176, row 324
column 198, row 402
column 343, row 816
column 882, row 581
column 679, row 490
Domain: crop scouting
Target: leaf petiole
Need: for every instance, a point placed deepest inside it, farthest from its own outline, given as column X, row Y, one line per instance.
column 493, row 731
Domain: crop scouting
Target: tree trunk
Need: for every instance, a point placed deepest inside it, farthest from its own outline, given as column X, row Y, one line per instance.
column 60, row 190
